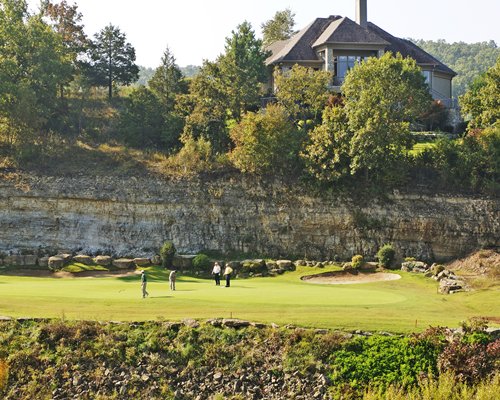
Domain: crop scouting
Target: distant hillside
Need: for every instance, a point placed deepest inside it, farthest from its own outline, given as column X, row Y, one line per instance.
column 146, row 73
column 468, row 60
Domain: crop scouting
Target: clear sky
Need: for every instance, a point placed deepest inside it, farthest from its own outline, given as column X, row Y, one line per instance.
column 195, row 29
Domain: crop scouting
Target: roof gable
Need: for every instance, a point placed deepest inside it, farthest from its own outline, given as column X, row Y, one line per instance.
column 299, row 47
column 344, row 30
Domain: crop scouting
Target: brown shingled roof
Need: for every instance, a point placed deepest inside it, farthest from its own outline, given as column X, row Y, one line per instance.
column 344, row 30
column 336, row 29
column 409, row 49
column 299, row 46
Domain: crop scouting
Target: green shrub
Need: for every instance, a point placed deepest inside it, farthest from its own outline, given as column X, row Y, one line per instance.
column 407, row 259
column 436, row 269
column 379, row 361
column 385, row 255
column 167, row 253
column 201, row 262
column 357, row 261
column 259, row 142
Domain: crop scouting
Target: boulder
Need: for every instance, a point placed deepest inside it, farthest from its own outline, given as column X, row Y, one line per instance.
column 235, row 265
column 414, row 266
column 191, row 323
column 253, row 266
column 142, row 262
column 103, row 260
column 55, row 263
column 347, row 266
column 83, row 259
column 448, row 286
column 443, row 274
column 235, row 323
column 436, row 268
column 287, row 265
column 300, row 263
column 66, row 257
column 123, row 263
column 271, row 265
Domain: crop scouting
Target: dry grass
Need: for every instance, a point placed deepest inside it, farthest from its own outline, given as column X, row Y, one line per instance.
column 4, row 375
column 443, row 388
column 481, row 269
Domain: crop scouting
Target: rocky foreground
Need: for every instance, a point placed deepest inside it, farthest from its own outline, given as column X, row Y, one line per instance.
column 229, row 359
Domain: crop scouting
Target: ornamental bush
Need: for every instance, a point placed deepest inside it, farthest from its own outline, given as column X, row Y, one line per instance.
column 385, row 255
column 167, row 253
column 357, row 261
column 201, row 262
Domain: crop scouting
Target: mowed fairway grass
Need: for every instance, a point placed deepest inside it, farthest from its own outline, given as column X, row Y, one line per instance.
column 409, row 304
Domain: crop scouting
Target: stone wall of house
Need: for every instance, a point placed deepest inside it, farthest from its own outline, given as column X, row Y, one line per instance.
column 123, row 216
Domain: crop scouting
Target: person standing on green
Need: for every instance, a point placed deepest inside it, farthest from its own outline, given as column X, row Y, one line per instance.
column 171, row 279
column 216, row 273
column 227, row 273
column 144, row 283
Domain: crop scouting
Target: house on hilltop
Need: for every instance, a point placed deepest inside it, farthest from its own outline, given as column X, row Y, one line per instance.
column 337, row 43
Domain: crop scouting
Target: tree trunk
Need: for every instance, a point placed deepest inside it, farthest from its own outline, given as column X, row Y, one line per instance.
column 110, row 76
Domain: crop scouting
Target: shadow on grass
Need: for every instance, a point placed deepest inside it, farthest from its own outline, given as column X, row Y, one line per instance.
column 158, row 274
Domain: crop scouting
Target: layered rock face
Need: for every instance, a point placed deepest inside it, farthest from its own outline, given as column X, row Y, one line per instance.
column 123, row 216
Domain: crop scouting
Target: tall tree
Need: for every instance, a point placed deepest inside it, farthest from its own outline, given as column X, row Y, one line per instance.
column 225, row 89
column 280, row 27
column 206, row 107
column 66, row 21
column 266, row 141
column 382, row 96
column 112, row 59
column 303, row 91
column 32, row 63
column 243, row 69
column 142, row 122
column 327, row 154
column 167, row 81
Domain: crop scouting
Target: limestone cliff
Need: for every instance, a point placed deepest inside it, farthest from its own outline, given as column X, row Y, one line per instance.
column 134, row 216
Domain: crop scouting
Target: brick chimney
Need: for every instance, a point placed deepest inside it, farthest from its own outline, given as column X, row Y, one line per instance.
column 361, row 13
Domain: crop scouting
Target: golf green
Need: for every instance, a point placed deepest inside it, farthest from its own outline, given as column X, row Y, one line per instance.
column 408, row 304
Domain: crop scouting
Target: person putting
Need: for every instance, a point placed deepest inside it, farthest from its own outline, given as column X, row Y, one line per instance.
column 171, row 279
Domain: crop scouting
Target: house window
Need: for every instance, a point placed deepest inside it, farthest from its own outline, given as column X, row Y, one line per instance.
column 427, row 76
column 342, row 64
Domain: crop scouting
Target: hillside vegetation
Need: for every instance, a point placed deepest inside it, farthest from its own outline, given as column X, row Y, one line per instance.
column 468, row 60
column 158, row 360
column 71, row 104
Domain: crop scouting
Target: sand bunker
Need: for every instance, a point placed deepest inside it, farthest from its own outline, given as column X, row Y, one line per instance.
column 349, row 278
